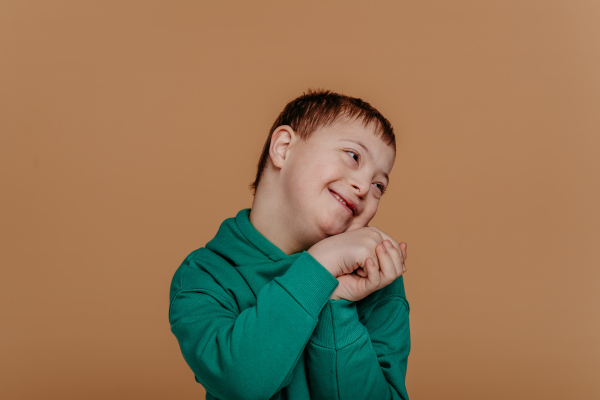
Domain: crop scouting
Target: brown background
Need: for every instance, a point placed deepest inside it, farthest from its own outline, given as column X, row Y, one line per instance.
column 130, row 131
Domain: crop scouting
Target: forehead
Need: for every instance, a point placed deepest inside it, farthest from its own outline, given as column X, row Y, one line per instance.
column 364, row 138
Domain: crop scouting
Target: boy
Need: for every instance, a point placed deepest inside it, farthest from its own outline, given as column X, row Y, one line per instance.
column 297, row 297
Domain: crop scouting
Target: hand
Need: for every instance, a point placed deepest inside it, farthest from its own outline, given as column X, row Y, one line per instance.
column 342, row 254
column 374, row 276
column 402, row 249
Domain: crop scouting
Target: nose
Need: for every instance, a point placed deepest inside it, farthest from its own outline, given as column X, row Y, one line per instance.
column 361, row 187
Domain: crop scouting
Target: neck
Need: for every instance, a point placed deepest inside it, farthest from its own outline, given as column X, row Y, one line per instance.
column 273, row 222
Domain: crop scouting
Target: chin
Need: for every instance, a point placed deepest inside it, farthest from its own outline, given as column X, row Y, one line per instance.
column 354, row 227
column 360, row 222
column 331, row 227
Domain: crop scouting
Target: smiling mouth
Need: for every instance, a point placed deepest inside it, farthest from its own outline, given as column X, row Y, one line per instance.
column 341, row 202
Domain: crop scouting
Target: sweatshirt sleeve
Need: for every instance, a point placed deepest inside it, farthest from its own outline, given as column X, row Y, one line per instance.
column 251, row 354
column 351, row 360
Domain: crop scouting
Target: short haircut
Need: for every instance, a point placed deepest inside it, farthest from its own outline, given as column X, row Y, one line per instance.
column 320, row 108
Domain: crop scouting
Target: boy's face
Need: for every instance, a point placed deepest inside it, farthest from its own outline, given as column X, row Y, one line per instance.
column 332, row 161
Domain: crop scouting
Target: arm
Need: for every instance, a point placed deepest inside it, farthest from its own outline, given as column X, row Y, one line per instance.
column 251, row 354
column 360, row 361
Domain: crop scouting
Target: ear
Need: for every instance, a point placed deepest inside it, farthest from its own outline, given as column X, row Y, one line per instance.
column 280, row 144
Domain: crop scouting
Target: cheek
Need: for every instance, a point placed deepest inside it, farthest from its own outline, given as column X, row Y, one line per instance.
column 364, row 218
column 370, row 212
column 328, row 171
column 302, row 183
column 320, row 172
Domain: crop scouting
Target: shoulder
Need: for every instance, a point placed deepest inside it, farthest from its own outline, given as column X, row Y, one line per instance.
column 202, row 270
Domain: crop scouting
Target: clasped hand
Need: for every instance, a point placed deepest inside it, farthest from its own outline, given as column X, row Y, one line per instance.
column 374, row 274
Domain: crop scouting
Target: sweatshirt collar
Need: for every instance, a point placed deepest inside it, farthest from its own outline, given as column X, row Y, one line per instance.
column 242, row 220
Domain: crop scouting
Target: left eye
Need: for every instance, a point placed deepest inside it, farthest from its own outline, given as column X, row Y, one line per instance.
column 380, row 186
column 356, row 154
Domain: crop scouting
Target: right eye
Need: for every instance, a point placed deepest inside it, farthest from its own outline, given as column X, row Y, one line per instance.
column 355, row 153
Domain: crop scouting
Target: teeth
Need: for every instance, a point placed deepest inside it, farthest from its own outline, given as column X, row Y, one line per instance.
column 338, row 197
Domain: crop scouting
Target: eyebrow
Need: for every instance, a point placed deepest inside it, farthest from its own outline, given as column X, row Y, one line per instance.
column 368, row 152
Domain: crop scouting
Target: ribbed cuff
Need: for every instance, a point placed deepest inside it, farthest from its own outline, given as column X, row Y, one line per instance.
column 309, row 283
column 338, row 325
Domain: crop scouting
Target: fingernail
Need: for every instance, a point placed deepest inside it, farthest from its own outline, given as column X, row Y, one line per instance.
column 383, row 249
column 387, row 243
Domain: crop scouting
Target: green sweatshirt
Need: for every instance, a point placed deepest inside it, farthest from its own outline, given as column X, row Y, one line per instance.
column 255, row 323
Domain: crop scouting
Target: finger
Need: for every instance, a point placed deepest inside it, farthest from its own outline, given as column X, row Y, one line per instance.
column 404, row 250
column 397, row 257
column 405, row 254
column 373, row 276
column 400, row 248
column 361, row 272
column 387, row 266
column 388, row 237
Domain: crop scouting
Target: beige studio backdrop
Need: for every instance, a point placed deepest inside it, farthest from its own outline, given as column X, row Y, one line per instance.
column 129, row 130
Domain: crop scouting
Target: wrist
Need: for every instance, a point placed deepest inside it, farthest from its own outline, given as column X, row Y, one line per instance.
column 321, row 259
